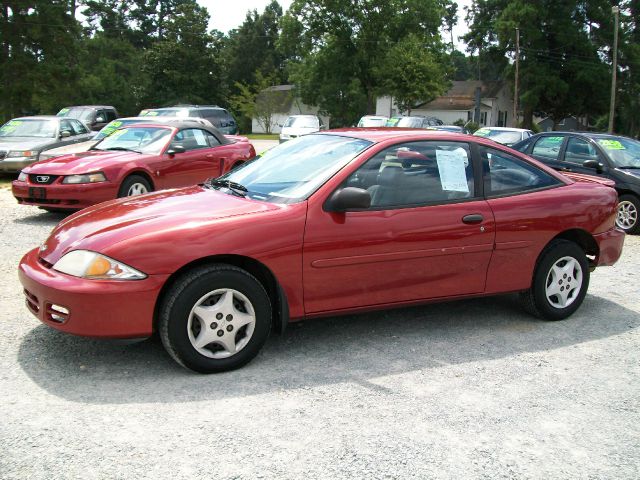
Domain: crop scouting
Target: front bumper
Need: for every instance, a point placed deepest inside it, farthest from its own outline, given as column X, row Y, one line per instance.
column 14, row 165
column 96, row 308
column 65, row 196
column 610, row 246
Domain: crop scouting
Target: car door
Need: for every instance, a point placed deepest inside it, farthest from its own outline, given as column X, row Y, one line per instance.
column 547, row 149
column 82, row 133
column 65, row 126
column 427, row 234
column 515, row 191
column 199, row 161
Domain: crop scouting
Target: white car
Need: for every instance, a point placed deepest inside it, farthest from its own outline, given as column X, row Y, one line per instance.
column 297, row 125
column 110, row 128
column 504, row 135
column 373, row 121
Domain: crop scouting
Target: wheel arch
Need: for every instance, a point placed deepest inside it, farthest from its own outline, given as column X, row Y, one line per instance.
column 584, row 240
column 140, row 172
column 279, row 302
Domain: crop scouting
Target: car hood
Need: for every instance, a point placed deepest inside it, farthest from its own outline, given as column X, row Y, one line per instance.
column 101, row 227
column 24, row 143
column 73, row 148
column 82, row 162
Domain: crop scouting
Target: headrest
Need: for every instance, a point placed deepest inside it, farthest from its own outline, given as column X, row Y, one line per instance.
column 389, row 176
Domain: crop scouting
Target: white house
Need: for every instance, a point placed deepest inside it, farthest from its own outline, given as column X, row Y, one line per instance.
column 496, row 104
column 287, row 104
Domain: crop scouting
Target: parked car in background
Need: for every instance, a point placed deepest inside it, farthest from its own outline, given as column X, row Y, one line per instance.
column 132, row 160
column 110, row 128
column 94, row 116
column 326, row 224
column 608, row 156
column 450, row 128
column 217, row 116
column 504, row 135
column 415, row 121
column 23, row 140
column 298, row 125
column 373, row 121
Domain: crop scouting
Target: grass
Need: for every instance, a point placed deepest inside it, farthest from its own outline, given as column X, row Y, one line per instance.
column 261, row 136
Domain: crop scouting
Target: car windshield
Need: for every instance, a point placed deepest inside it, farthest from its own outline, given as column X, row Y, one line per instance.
column 500, row 136
column 304, row 122
column 409, row 122
column 372, row 122
column 39, row 128
column 83, row 114
column 623, row 152
column 111, row 127
column 167, row 112
column 290, row 172
column 150, row 140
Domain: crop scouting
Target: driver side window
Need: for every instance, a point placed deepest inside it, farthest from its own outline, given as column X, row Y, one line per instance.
column 191, row 139
column 417, row 173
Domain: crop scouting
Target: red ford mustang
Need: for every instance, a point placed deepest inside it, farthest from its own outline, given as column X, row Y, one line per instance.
column 342, row 221
column 132, row 160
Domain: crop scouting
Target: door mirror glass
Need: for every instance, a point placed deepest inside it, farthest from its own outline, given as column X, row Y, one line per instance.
column 348, row 198
column 175, row 150
column 594, row 164
column 100, row 119
column 65, row 134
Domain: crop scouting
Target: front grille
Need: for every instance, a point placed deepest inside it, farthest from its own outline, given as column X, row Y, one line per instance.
column 3, row 153
column 43, row 179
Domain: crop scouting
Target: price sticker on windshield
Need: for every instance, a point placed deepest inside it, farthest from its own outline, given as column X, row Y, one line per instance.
column 611, row 144
column 151, row 114
column 62, row 112
column 116, row 133
column 483, row 132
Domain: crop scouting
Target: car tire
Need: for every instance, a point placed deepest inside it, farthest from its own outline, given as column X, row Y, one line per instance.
column 628, row 213
column 214, row 318
column 553, row 294
column 134, row 185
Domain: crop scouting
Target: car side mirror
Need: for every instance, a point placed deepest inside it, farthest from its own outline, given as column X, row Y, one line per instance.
column 99, row 119
column 175, row 150
column 348, row 198
column 65, row 134
column 594, row 164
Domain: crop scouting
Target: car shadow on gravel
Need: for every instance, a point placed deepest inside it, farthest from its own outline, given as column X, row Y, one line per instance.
column 355, row 348
column 43, row 218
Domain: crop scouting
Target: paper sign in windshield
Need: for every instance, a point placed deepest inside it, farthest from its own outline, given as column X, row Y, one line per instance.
column 611, row 144
column 451, row 165
column 483, row 132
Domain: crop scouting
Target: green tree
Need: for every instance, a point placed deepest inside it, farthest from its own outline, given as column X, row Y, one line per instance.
column 411, row 73
column 259, row 101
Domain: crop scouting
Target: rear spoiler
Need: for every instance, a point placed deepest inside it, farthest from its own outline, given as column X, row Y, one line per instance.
column 583, row 177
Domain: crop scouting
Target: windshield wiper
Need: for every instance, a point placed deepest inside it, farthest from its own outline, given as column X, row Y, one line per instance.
column 122, row 149
column 237, row 188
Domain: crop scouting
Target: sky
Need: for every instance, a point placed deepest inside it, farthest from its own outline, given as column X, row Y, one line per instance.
column 226, row 14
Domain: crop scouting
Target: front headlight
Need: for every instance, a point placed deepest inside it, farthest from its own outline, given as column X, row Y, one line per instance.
column 85, row 178
column 22, row 177
column 21, row 153
column 94, row 266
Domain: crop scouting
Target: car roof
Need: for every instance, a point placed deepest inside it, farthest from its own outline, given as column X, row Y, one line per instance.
column 91, row 106
column 506, row 129
column 41, row 117
column 380, row 134
column 180, row 124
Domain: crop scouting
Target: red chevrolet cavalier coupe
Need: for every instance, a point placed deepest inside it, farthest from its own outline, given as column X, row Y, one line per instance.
column 130, row 161
column 335, row 222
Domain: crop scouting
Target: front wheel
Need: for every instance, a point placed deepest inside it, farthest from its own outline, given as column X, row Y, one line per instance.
column 627, row 217
column 215, row 318
column 134, row 185
column 560, row 281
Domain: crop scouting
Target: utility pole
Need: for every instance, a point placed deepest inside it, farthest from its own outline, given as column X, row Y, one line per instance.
column 515, row 87
column 614, row 71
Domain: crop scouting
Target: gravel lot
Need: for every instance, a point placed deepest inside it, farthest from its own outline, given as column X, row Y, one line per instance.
column 472, row 389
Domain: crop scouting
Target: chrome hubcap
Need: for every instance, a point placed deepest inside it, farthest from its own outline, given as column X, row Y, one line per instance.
column 627, row 215
column 137, row 189
column 564, row 281
column 221, row 323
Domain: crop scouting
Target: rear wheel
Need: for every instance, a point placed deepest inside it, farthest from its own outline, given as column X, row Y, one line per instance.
column 215, row 318
column 134, row 185
column 627, row 218
column 560, row 281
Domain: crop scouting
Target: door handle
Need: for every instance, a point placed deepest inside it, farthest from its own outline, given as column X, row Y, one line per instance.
column 565, row 169
column 473, row 218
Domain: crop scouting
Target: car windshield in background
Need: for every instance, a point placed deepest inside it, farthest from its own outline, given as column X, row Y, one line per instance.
column 372, row 122
column 500, row 136
column 83, row 114
column 29, row 128
column 167, row 112
column 150, row 140
column 294, row 170
column 408, row 122
column 623, row 152
column 301, row 122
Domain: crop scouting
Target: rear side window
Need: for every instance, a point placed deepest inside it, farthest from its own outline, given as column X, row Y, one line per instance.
column 78, row 127
column 505, row 174
column 548, row 148
column 111, row 115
